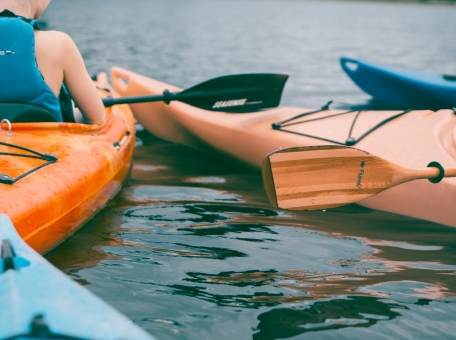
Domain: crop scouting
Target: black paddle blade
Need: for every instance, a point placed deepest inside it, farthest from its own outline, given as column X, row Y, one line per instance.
column 236, row 93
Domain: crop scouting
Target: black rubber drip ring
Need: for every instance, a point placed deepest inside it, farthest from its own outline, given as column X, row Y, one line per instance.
column 440, row 176
column 168, row 97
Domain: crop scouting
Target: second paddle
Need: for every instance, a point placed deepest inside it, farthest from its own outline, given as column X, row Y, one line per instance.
column 322, row 177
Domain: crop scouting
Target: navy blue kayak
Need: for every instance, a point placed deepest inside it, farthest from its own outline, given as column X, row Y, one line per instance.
column 37, row 301
column 407, row 88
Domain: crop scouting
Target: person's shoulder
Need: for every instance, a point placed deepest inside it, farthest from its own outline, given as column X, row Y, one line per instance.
column 56, row 40
column 54, row 36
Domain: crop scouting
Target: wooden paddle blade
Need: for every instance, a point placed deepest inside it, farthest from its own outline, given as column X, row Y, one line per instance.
column 322, row 177
column 236, row 93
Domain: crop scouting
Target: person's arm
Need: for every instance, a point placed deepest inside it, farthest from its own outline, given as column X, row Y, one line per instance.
column 79, row 84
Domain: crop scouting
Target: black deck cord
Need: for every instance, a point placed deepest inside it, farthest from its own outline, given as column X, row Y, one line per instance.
column 350, row 141
column 319, row 118
column 368, row 132
column 8, row 256
column 25, row 149
column 278, row 125
column 19, row 155
column 50, row 158
column 40, row 330
column 27, row 173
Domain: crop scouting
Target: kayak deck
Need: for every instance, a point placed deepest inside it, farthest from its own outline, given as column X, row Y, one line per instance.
column 412, row 140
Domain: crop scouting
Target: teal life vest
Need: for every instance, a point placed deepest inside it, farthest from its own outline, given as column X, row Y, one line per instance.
column 20, row 79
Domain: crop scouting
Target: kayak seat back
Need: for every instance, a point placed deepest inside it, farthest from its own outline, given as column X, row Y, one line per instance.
column 25, row 113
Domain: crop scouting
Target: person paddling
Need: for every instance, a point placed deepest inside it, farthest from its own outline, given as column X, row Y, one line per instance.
column 37, row 67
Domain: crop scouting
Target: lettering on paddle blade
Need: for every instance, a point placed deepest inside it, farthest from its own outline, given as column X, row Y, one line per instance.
column 360, row 176
column 230, row 103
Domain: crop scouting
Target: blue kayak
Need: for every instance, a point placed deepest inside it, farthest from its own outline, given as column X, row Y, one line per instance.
column 407, row 88
column 37, row 301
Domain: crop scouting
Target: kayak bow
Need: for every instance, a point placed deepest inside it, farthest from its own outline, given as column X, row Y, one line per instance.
column 39, row 301
column 408, row 138
column 407, row 88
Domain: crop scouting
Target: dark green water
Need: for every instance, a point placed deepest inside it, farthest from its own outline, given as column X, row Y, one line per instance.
column 191, row 249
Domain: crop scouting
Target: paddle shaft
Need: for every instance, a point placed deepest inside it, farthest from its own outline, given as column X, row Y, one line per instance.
column 428, row 173
column 450, row 172
column 138, row 99
column 167, row 97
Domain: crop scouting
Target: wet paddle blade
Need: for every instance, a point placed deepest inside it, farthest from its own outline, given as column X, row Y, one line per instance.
column 236, row 93
column 322, row 177
column 233, row 93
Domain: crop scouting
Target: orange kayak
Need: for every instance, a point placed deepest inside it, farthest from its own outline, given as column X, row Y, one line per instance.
column 54, row 177
column 410, row 139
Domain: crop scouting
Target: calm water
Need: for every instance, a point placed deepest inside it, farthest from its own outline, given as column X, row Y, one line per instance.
column 190, row 248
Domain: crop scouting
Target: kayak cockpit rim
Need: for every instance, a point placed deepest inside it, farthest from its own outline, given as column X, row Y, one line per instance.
column 73, row 127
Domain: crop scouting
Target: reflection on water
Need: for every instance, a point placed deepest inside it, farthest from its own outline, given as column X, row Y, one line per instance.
column 163, row 193
column 194, row 215
column 212, row 259
column 191, row 249
column 354, row 311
